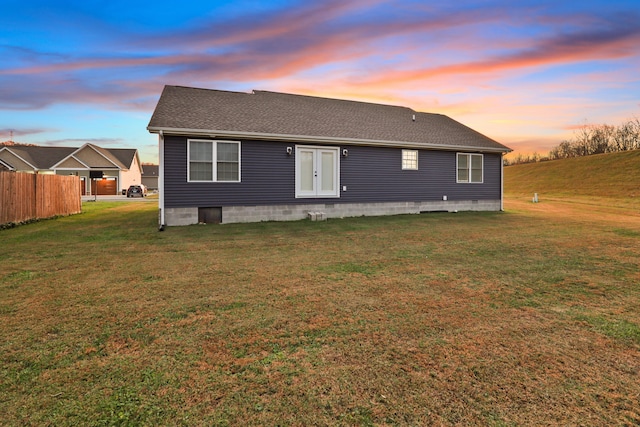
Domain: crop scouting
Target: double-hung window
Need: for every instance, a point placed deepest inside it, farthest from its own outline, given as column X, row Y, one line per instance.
column 470, row 168
column 213, row 161
column 409, row 159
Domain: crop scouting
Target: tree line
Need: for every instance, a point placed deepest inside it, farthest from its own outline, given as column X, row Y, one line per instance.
column 588, row 140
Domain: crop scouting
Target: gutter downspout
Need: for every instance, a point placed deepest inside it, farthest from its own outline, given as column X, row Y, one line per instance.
column 161, row 179
column 502, row 182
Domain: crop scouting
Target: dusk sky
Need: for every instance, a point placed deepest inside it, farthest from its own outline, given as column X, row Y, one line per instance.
column 525, row 73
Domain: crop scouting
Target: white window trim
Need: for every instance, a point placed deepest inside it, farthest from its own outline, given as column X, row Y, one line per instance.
column 417, row 160
column 299, row 193
column 469, row 168
column 214, row 160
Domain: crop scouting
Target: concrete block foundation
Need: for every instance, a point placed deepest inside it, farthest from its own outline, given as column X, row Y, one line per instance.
column 236, row 214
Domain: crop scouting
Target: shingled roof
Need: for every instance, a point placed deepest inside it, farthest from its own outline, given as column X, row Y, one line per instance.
column 44, row 158
column 281, row 116
column 40, row 157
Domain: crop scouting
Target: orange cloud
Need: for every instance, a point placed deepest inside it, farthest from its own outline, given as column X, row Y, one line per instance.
column 424, row 56
column 610, row 44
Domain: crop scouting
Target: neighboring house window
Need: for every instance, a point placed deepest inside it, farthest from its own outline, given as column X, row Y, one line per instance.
column 213, row 161
column 470, row 168
column 317, row 172
column 410, row 159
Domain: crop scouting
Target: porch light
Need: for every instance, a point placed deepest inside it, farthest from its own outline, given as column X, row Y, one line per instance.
column 345, row 152
column 289, row 151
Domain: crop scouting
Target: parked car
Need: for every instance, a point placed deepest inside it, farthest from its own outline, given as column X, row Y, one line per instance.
column 137, row 191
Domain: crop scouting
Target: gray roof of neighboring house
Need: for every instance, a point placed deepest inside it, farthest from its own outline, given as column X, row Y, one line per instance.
column 273, row 115
column 124, row 155
column 150, row 170
column 41, row 157
column 44, row 158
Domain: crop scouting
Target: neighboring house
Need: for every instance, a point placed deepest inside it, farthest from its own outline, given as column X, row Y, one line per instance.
column 5, row 167
column 242, row 157
column 150, row 176
column 102, row 171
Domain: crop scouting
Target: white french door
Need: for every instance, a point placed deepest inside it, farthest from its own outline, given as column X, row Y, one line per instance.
column 317, row 171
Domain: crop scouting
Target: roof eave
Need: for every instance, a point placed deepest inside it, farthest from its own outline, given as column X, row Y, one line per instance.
column 317, row 139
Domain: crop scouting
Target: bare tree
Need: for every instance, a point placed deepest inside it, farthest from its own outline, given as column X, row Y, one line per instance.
column 624, row 137
column 601, row 137
column 635, row 124
column 591, row 139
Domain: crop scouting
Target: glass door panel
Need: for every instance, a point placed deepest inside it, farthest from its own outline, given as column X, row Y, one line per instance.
column 327, row 172
column 307, row 171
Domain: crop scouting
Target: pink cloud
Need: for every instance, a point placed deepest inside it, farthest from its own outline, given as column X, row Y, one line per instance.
column 341, row 49
column 285, row 43
column 614, row 43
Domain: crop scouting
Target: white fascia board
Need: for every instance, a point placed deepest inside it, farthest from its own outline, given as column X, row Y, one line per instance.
column 318, row 139
column 79, row 161
column 68, row 157
column 72, row 155
column 83, row 163
column 87, row 167
column 7, row 165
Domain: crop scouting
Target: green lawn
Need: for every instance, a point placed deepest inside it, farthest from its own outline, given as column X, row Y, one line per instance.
column 526, row 317
column 612, row 175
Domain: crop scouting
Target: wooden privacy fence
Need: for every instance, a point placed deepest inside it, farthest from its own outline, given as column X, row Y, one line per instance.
column 26, row 196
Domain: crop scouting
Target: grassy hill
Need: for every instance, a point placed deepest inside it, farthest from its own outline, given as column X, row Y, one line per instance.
column 612, row 175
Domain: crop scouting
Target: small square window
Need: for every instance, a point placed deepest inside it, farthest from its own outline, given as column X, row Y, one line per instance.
column 410, row 159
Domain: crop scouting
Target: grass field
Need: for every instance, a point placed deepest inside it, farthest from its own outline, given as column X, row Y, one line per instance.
column 526, row 317
column 612, row 175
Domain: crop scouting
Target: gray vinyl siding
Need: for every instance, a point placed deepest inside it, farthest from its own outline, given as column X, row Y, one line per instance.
column 374, row 174
column 371, row 174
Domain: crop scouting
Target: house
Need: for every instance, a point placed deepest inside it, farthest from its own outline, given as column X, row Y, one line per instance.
column 4, row 167
column 102, row 171
column 242, row 157
column 150, row 176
